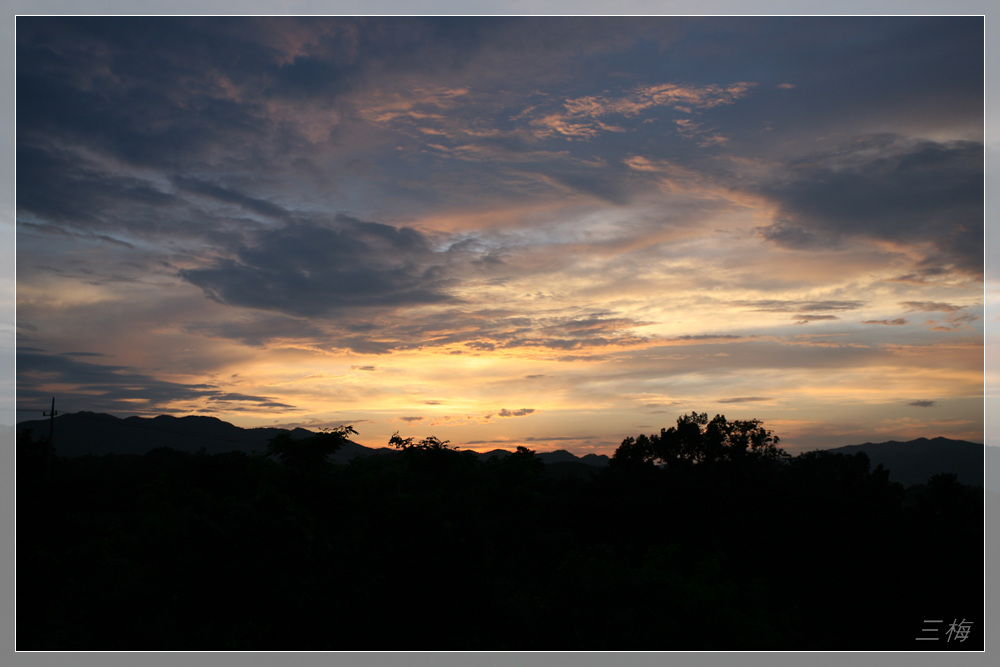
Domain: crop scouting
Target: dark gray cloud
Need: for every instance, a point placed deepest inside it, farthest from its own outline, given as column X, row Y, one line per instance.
column 745, row 399
column 174, row 106
column 61, row 185
column 884, row 70
column 234, row 400
column 205, row 87
column 922, row 404
column 113, row 389
column 310, row 269
column 515, row 413
column 229, row 196
column 885, row 188
column 70, row 194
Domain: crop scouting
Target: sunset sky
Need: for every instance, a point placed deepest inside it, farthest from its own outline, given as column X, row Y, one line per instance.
column 552, row 232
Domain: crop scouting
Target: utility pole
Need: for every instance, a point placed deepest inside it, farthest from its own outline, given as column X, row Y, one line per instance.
column 51, row 414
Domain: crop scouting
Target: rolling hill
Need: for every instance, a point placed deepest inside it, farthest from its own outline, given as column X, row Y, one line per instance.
column 82, row 433
column 915, row 461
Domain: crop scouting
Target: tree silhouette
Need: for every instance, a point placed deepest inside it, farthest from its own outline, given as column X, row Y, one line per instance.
column 775, row 557
column 428, row 443
column 696, row 440
column 634, row 452
column 33, row 456
column 308, row 454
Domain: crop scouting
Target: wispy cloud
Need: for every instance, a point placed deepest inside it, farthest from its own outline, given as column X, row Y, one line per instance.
column 790, row 306
column 581, row 117
column 806, row 319
column 929, row 307
column 898, row 322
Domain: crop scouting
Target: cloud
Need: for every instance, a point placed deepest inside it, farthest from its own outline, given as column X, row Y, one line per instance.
column 372, row 330
column 922, row 404
column 701, row 338
column 485, row 332
column 957, row 322
column 515, row 413
column 488, row 416
column 258, row 330
column 806, row 319
column 81, row 385
column 233, row 79
column 929, row 307
column 226, row 195
column 885, row 188
column 310, row 269
column 791, row 306
column 90, row 195
column 899, row 321
column 581, row 117
column 689, row 129
column 745, row 399
column 232, row 400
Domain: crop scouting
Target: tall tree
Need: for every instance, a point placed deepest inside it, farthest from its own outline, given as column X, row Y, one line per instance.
column 309, row 454
column 696, row 440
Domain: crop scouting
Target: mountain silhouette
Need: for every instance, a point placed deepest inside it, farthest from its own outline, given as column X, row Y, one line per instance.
column 83, row 433
column 916, row 461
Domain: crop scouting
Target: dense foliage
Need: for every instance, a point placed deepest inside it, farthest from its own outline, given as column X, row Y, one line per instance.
column 720, row 441
column 311, row 454
column 714, row 541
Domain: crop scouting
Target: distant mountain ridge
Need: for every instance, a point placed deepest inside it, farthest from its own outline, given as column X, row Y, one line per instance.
column 916, row 461
column 82, row 433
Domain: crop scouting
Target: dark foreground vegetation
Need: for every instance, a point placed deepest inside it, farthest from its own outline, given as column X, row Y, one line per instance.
column 705, row 536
